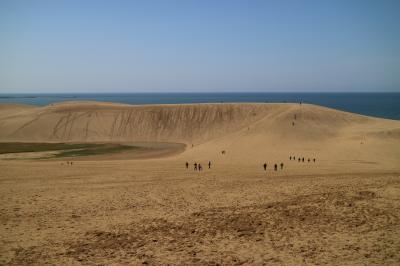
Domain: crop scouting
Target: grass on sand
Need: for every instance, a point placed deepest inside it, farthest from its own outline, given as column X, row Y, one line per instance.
column 66, row 149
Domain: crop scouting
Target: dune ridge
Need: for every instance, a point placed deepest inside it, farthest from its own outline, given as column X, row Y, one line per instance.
column 250, row 133
column 188, row 123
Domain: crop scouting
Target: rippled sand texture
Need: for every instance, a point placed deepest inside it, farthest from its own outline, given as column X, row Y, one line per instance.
column 343, row 209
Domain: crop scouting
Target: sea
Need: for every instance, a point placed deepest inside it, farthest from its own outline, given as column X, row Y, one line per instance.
column 384, row 105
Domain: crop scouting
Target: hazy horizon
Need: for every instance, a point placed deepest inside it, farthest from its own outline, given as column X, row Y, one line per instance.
column 199, row 46
column 200, row 92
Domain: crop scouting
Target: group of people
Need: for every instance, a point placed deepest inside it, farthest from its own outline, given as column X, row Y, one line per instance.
column 68, row 163
column 265, row 165
column 300, row 159
column 198, row 166
column 291, row 158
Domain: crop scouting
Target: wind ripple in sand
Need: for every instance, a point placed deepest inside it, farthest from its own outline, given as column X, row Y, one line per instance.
column 306, row 229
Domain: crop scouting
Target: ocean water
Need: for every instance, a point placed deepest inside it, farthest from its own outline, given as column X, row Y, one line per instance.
column 385, row 105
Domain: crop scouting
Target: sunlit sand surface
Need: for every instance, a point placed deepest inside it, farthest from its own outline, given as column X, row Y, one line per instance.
column 136, row 207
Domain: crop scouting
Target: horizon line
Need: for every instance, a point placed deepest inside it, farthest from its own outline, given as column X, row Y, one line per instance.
column 197, row 92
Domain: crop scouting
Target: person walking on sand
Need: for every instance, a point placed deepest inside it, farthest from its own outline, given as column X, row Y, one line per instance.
column 299, row 160
column 290, row 158
column 302, row 159
column 314, row 160
column 195, row 166
column 187, row 165
column 209, row 164
column 281, row 166
column 276, row 167
column 200, row 168
column 265, row 166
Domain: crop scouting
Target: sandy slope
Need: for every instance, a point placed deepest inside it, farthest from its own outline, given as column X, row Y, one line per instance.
column 342, row 210
column 250, row 133
column 76, row 121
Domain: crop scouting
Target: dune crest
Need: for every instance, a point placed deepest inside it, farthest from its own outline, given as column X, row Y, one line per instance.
column 94, row 121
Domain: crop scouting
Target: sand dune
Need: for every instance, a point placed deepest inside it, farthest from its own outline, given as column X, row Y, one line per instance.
column 114, row 122
column 92, row 121
column 251, row 133
column 341, row 210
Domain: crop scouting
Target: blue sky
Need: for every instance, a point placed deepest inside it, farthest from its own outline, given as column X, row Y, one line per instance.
column 160, row 46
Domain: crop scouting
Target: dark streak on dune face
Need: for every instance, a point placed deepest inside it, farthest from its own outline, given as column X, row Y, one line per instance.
column 85, row 122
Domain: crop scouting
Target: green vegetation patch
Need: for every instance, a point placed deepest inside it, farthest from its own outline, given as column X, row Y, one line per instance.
column 17, row 147
column 66, row 149
column 106, row 149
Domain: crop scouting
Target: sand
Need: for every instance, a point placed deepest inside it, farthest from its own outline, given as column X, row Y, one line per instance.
column 344, row 209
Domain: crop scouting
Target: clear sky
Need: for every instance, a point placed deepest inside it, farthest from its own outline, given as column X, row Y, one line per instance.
column 160, row 46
